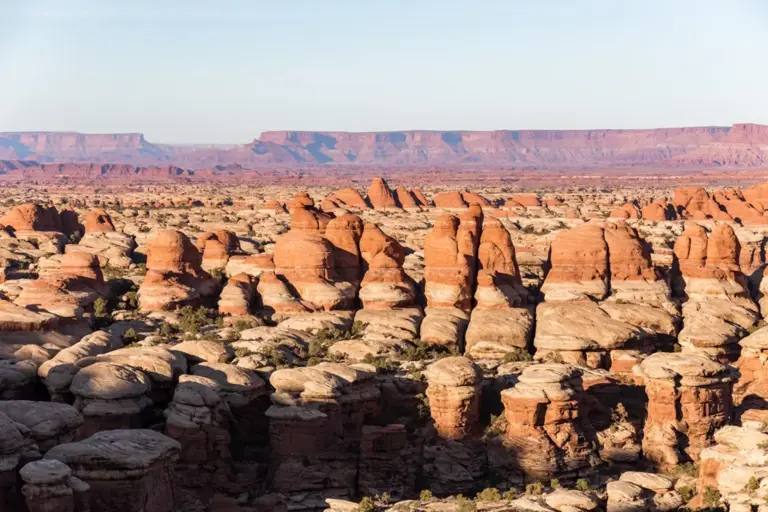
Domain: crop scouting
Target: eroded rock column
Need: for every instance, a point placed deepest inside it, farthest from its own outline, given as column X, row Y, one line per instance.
column 456, row 461
column 689, row 397
column 546, row 435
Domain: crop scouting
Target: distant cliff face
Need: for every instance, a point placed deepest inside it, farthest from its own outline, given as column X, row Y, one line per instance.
column 743, row 145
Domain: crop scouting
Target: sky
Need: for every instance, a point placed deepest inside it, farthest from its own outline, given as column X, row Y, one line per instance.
column 223, row 71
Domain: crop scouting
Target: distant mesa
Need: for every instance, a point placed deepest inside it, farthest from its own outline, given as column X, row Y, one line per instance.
column 739, row 146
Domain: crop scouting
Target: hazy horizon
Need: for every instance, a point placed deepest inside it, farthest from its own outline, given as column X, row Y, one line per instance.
column 197, row 74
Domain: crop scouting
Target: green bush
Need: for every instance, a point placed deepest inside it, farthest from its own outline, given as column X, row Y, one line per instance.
column 554, row 483
column 496, row 427
column 489, row 494
column 130, row 336
column 583, row 485
column 425, row 496
column 534, row 489
column 688, row 492
column 192, row 319
column 382, row 363
column 132, row 299
column 753, row 485
column 517, row 355
column 366, row 505
column 711, row 497
column 464, row 504
column 686, row 469
column 101, row 309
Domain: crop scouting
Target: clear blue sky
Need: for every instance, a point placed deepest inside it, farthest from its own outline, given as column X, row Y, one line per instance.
column 222, row 71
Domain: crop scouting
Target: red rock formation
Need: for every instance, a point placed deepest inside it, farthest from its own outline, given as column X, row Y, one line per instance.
column 421, row 199
column 695, row 202
column 175, row 276
column 380, row 196
column 446, row 269
column 454, row 394
column 678, row 427
column 579, row 265
column 273, row 206
column 301, row 200
column 525, row 200
column 737, row 207
column 216, row 248
column 237, row 297
column 627, row 211
column 98, row 221
column 657, row 212
column 310, row 220
column 546, row 433
column 33, row 217
column 344, row 234
column 305, row 260
column 404, row 198
column 385, row 284
column 451, row 200
column 348, row 197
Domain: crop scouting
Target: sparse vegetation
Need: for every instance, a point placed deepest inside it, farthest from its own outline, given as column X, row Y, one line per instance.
column 382, row 363
column 464, row 504
column 554, row 483
column 534, row 489
column 763, row 445
column 488, row 494
column 101, row 309
column 517, row 355
column 425, row 496
column 496, row 427
column 109, row 272
column 366, row 505
column 685, row 469
column 711, row 497
column 688, row 492
column 130, row 337
column 193, row 319
column 753, row 485
column 583, row 485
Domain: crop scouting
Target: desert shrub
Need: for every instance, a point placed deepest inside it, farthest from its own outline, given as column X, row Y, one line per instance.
column 763, row 445
column 554, row 483
column 711, row 497
column 192, row 319
column 276, row 358
column 232, row 336
column 381, row 363
column 111, row 272
column 583, row 485
column 132, row 299
column 425, row 496
column 517, row 355
column 366, row 505
column 218, row 274
column 489, row 494
column 496, row 427
column 685, row 469
column 688, row 492
column 753, row 485
column 534, row 489
column 101, row 309
column 242, row 325
column 130, row 336
column 509, row 495
column 464, row 504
